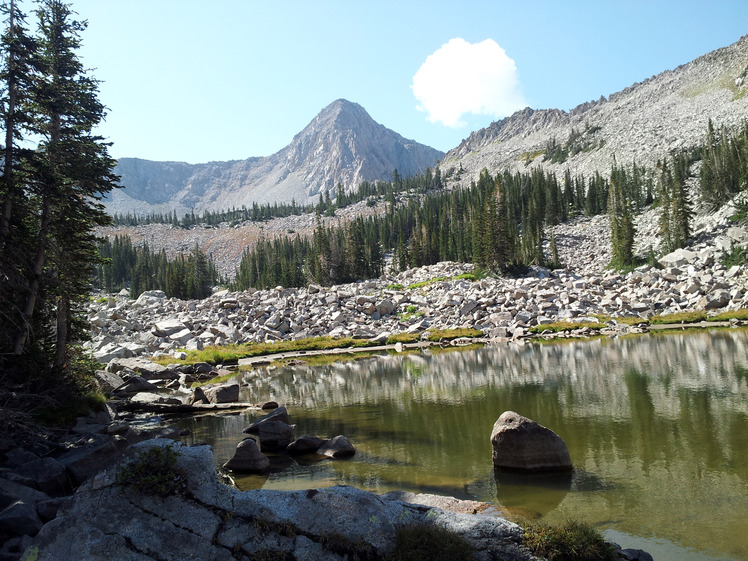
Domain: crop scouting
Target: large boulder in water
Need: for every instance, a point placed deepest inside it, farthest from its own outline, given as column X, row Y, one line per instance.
column 248, row 458
column 521, row 444
column 280, row 414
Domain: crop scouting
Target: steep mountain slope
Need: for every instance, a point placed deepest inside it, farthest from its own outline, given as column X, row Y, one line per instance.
column 642, row 123
column 342, row 144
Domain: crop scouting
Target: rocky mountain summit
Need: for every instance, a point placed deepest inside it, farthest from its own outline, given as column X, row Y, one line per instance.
column 643, row 123
column 342, row 145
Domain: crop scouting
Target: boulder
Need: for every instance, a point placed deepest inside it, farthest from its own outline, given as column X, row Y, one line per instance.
column 46, row 474
column 714, row 300
column 248, row 458
column 280, row 414
column 134, row 385
column 524, row 445
column 337, row 447
column 305, row 445
column 275, row 436
column 108, row 381
column 20, row 519
column 169, row 327
column 222, row 393
column 110, row 352
column 85, row 462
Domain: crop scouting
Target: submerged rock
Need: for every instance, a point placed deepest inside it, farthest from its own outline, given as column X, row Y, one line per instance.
column 337, row 447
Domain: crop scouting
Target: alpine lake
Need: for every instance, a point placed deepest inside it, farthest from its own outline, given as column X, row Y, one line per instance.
column 656, row 425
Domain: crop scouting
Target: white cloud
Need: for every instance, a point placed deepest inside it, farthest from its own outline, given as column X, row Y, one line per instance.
column 462, row 77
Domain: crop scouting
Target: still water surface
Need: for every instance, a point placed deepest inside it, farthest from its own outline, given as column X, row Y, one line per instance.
column 656, row 425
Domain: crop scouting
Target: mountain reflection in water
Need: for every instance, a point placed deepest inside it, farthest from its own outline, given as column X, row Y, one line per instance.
column 657, row 429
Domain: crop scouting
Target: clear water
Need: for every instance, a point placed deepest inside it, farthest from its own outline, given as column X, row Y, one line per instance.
column 656, row 425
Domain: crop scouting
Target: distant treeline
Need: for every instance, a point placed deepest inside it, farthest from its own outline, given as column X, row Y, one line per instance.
column 138, row 268
column 367, row 191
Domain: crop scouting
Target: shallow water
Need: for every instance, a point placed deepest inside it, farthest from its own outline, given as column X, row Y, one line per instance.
column 656, row 425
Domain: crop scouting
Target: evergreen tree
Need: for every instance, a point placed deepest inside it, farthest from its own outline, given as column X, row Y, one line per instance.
column 621, row 223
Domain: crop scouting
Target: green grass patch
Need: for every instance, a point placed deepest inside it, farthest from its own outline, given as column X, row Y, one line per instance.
column 322, row 360
column 153, row 472
column 424, row 542
column 573, row 541
column 232, row 353
column 740, row 315
column 679, row 317
column 394, row 286
column 559, row 326
column 625, row 320
column 403, row 338
column 472, row 277
column 410, row 313
column 449, row 334
column 421, row 284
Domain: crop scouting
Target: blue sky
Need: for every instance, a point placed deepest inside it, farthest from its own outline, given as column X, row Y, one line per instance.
column 195, row 81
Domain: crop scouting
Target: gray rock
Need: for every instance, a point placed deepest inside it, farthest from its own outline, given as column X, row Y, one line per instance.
column 248, row 458
column 20, row 519
column 108, row 381
column 46, row 474
column 222, row 393
column 337, row 447
column 169, row 327
column 275, row 435
column 85, row 462
column 715, row 300
column 524, row 445
column 210, row 520
column 305, row 445
column 279, row 414
column 134, row 385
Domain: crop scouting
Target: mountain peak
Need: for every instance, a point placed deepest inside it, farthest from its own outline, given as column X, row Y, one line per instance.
column 341, row 145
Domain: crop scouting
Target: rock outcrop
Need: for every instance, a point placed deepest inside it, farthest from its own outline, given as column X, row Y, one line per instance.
column 213, row 521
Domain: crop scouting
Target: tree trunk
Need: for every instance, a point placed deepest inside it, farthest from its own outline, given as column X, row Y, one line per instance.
column 9, row 129
column 38, row 268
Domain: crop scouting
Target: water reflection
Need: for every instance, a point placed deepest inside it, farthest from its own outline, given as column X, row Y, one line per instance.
column 657, row 428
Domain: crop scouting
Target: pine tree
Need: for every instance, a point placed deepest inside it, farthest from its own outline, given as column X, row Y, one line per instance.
column 680, row 204
column 72, row 171
column 621, row 224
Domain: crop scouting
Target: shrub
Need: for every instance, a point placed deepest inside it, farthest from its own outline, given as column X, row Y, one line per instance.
column 573, row 541
column 153, row 471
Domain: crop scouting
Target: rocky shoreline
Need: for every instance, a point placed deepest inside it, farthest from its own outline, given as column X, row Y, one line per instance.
column 435, row 298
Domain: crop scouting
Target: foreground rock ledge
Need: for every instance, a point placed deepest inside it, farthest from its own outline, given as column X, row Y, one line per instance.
column 212, row 521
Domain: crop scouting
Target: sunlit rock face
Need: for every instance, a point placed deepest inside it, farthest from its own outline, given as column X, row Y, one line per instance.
column 341, row 145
